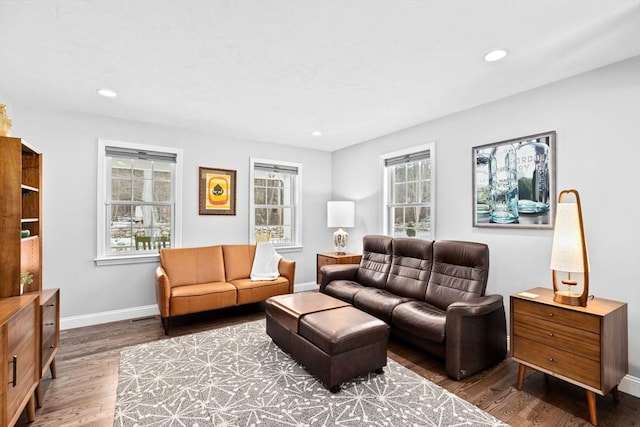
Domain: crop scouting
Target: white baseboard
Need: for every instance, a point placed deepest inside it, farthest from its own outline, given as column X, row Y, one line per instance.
column 302, row 287
column 108, row 316
column 630, row 385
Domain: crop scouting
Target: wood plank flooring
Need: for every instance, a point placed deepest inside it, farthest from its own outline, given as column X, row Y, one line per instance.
column 84, row 393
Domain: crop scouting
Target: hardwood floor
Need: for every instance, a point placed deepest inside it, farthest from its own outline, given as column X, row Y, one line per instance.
column 84, row 391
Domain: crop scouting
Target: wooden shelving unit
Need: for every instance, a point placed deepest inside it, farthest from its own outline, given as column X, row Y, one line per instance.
column 21, row 311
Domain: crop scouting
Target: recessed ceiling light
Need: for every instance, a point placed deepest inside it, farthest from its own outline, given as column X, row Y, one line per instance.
column 316, row 133
column 107, row 93
column 495, row 55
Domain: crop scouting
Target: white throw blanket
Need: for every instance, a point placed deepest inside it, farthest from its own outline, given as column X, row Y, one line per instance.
column 265, row 263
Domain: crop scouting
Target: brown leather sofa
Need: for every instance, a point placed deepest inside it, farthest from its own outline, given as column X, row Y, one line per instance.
column 191, row 280
column 432, row 294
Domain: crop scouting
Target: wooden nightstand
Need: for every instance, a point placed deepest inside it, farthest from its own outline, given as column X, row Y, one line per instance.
column 333, row 258
column 586, row 346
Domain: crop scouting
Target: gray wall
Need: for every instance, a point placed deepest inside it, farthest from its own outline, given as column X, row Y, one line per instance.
column 69, row 146
column 597, row 119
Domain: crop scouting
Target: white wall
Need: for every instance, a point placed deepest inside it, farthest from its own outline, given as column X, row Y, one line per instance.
column 597, row 119
column 69, row 146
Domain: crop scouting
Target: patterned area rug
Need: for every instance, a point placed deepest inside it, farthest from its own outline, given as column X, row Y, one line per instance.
column 236, row 376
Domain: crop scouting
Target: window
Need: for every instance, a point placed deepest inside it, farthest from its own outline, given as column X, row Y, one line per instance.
column 275, row 213
column 409, row 199
column 139, row 208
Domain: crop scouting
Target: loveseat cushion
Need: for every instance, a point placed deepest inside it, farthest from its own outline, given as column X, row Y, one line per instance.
column 421, row 319
column 259, row 290
column 378, row 302
column 344, row 290
column 376, row 261
column 238, row 260
column 459, row 273
column 202, row 297
column 189, row 266
column 410, row 267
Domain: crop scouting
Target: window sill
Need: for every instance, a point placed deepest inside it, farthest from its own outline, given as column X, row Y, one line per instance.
column 285, row 249
column 130, row 259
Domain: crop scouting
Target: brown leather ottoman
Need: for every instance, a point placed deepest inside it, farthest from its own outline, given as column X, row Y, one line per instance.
column 331, row 339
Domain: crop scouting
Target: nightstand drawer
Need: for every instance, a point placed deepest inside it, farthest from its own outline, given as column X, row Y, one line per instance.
column 49, row 314
column 573, row 340
column 571, row 318
column 560, row 362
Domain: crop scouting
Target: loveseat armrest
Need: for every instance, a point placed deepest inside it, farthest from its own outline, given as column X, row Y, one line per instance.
column 163, row 291
column 287, row 269
column 333, row 272
column 475, row 334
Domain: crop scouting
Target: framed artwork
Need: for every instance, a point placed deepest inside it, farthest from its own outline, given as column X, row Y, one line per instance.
column 217, row 191
column 514, row 182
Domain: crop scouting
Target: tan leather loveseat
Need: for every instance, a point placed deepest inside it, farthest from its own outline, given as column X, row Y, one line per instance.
column 191, row 280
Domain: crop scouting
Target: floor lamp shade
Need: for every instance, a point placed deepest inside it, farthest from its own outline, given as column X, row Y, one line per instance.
column 569, row 250
column 340, row 214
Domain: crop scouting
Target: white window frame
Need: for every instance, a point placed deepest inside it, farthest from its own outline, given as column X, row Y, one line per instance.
column 102, row 255
column 386, row 190
column 297, row 202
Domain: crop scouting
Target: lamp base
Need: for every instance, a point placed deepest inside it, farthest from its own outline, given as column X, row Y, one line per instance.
column 569, row 298
column 340, row 241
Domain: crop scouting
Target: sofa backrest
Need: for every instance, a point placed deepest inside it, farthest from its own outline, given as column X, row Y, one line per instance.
column 238, row 260
column 376, row 261
column 188, row 266
column 460, row 271
column 410, row 267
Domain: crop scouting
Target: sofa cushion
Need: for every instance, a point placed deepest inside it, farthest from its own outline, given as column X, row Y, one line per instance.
column 344, row 290
column 201, row 297
column 189, row 266
column 421, row 319
column 378, row 302
column 376, row 261
column 410, row 267
column 459, row 272
column 238, row 260
column 259, row 290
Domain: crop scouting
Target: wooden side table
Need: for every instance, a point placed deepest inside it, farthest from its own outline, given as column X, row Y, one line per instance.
column 333, row 258
column 586, row 346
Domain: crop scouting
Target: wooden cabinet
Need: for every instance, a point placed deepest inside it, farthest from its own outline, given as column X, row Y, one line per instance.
column 20, row 351
column 333, row 258
column 49, row 335
column 586, row 346
column 20, row 252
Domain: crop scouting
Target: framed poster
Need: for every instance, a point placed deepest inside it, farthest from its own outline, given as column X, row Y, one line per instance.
column 217, row 191
column 514, row 182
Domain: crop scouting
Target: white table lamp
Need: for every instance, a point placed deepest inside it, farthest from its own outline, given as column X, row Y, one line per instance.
column 340, row 214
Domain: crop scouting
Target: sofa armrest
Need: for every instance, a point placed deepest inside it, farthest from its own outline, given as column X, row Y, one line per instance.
column 476, row 335
column 163, row 291
column 287, row 269
column 333, row 272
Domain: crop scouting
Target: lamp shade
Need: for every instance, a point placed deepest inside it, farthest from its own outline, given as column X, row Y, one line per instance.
column 340, row 214
column 567, row 251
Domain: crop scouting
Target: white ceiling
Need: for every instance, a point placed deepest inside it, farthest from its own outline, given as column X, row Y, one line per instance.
column 277, row 70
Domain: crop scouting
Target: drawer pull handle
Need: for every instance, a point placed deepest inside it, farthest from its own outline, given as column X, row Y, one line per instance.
column 550, row 334
column 49, row 324
column 550, row 314
column 551, row 359
column 14, row 360
column 50, row 305
column 52, row 346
